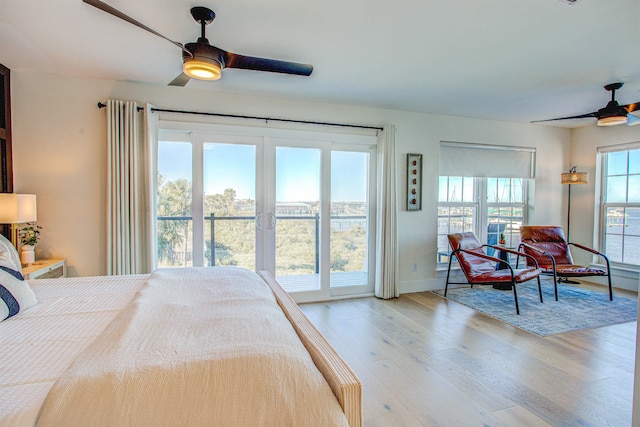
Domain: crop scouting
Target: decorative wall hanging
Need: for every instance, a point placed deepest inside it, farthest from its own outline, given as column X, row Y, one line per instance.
column 414, row 182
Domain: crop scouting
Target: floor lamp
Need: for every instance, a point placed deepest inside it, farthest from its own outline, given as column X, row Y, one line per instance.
column 570, row 178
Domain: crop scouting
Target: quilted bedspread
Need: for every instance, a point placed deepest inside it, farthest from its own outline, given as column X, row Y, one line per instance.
column 197, row 346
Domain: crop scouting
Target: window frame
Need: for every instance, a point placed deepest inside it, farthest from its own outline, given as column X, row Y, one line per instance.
column 602, row 220
column 482, row 205
column 361, row 141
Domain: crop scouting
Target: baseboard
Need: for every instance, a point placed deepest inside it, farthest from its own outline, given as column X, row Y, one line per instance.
column 408, row 287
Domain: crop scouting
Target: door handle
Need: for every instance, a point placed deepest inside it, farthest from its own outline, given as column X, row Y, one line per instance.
column 272, row 220
column 259, row 221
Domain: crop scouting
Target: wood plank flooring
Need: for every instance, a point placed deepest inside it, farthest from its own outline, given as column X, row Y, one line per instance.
column 426, row 361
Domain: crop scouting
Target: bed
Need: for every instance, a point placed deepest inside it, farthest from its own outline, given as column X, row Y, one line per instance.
column 196, row 346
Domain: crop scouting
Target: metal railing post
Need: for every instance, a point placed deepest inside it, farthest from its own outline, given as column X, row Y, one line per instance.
column 212, row 261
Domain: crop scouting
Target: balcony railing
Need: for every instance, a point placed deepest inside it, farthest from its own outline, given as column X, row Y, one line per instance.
column 212, row 219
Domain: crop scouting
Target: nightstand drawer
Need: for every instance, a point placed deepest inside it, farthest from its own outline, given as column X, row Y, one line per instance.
column 46, row 269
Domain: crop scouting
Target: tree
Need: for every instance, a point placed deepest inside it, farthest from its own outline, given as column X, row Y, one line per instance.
column 174, row 200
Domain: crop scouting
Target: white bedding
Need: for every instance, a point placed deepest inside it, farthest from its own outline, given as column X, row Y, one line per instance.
column 174, row 357
column 40, row 343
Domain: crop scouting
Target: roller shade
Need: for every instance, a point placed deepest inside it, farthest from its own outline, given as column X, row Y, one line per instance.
column 619, row 147
column 483, row 160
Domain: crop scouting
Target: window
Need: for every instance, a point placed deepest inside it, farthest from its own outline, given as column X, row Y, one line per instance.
column 505, row 209
column 457, row 210
column 620, row 214
column 299, row 205
column 490, row 200
column 487, row 207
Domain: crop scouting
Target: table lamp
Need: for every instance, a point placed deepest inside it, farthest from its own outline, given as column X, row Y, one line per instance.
column 17, row 209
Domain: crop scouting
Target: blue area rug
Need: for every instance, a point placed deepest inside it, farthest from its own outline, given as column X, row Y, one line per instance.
column 577, row 308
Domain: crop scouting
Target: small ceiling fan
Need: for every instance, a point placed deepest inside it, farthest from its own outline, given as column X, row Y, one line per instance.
column 203, row 61
column 612, row 114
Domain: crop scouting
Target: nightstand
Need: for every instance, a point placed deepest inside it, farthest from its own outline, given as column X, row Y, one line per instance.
column 46, row 269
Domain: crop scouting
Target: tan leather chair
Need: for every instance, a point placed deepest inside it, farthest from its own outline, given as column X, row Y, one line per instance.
column 479, row 268
column 550, row 248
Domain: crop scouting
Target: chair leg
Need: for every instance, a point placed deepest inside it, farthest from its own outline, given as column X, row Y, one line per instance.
column 446, row 284
column 608, row 276
column 515, row 296
column 555, row 284
column 540, row 289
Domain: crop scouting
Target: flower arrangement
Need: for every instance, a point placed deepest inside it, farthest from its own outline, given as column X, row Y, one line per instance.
column 501, row 240
column 29, row 235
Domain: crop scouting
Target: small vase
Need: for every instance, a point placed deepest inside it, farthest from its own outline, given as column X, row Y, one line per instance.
column 27, row 254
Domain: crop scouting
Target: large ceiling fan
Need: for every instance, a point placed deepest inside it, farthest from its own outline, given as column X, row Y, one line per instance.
column 203, row 61
column 612, row 114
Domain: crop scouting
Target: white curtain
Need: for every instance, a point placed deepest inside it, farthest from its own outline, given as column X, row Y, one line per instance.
column 387, row 217
column 129, row 239
column 151, row 140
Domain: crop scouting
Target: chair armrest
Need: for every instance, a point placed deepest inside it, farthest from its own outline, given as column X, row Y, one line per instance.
column 588, row 249
column 480, row 255
column 485, row 256
column 518, row 253
column 540, row 251
column 593, row 251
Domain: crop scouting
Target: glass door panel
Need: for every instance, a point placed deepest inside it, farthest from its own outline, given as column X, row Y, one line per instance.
column 175, row 195
column 230, row 204
column 349, row 219
column 297, row 218
column 299, row 208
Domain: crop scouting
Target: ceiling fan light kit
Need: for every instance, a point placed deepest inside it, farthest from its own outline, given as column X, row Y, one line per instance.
column 612, row 114
column 612, row 121
column 202, row 69
column 203, row 61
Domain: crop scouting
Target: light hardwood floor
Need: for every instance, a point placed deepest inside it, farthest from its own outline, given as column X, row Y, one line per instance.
column 426, row 361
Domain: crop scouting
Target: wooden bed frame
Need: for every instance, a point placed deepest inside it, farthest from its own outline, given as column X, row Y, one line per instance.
column 343, row 381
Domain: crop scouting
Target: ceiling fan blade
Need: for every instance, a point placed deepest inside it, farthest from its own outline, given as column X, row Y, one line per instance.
column 631, row 107
column 233, row 60
column 632, row 120
column 582, row 116
column 181, row 80
column 115, row 12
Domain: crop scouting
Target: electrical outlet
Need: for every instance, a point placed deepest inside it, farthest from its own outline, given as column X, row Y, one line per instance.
column 414, row 268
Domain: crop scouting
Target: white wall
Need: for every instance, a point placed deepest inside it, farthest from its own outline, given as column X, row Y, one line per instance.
column 60, row 155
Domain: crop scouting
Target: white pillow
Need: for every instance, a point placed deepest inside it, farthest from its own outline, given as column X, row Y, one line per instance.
column 9, row 255
column 15, row 293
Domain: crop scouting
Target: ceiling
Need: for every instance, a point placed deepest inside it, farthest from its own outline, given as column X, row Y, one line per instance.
column 510, row 60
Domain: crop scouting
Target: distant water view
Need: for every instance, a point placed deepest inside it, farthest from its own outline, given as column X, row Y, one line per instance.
column 623, row 235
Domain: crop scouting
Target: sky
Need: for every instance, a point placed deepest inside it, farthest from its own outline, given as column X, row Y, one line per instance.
column 620, row 187
column 297, row 171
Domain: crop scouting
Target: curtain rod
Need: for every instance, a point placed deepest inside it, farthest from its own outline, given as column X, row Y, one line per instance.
column 236, row 116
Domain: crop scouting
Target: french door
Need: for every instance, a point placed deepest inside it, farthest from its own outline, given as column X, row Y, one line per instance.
column 299, row 207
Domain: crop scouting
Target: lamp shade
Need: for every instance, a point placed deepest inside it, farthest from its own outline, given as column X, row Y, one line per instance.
column 573, row 177
column 17, row 208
